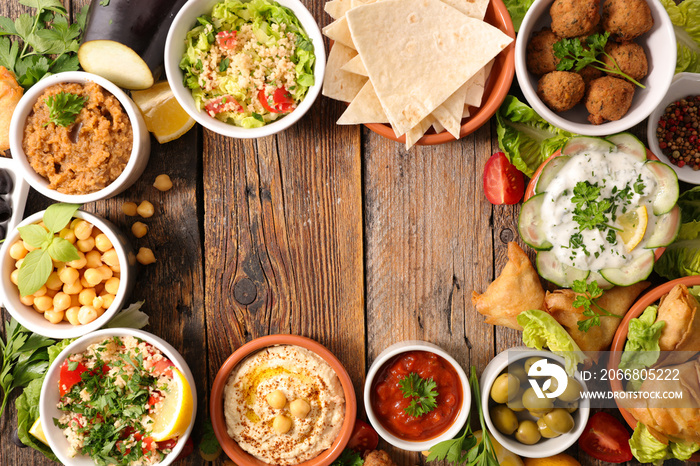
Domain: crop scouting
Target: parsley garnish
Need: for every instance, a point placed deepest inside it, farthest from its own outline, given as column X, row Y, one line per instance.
column 223, row 66
column 572, row 54
column 64, row 108
column 588, row 293
column 348, row 458
column 422, row 392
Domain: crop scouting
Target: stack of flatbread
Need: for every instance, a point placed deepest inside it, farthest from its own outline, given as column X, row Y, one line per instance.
column 410, row 63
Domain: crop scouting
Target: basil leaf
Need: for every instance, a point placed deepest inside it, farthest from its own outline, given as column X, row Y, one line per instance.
column 34, row 272
column 58, row 215
column 34, row 235
column 62, row 250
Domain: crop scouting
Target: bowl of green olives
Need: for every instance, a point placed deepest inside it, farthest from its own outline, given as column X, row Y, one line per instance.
column 531, row 405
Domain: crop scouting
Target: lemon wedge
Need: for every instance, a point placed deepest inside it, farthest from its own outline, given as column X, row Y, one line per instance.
column 164, row 116
column 505, row 457
column 634, row 225
column 37, row 431
column 174, row 413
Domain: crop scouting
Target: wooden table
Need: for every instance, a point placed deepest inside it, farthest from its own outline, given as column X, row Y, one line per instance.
column 327, row 231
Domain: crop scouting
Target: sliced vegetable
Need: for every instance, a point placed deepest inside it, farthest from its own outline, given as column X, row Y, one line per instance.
column 606, row 439
column 629, row 143
column 550, row 268
column 598, row 278
column 503, row 183
column 666, row 228
column 550, row 171
column 667, row 190
column 530, row 224
column 582, row 143
column 634, row 272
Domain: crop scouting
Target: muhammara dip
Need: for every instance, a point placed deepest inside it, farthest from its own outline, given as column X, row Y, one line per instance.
column 285, row 376
column 86, row 155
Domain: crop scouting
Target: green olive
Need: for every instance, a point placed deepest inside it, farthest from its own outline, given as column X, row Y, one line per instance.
column 516, row 404
column 539, row 413
column 569, row 407
column 519, row 371
column 528, row 433
column 572, row 391
column 533, row 403
column 545, row 431
column 529, row 362
column 559, row 420
column 504, row 419
column 505, row 387
column 553, row 385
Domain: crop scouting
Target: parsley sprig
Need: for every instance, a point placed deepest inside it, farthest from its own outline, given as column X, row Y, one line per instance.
column 572, row 54
column 423, row 394
column 46, row 42
column 348, row 458
column 64, row 108
column 586, row 298
column 590, row 210
column 466, row 448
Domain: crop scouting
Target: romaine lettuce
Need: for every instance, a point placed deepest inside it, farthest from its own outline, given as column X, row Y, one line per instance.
column 517, row 10
column 686, row 23
column 642, row 346
column 647, row 449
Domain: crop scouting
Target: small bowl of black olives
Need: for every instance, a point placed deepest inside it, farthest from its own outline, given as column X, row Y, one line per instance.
column 531, row 405
column 13, row 196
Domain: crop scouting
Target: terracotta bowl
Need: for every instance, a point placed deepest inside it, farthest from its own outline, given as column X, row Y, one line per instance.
column 495, row 91
column 216, row 400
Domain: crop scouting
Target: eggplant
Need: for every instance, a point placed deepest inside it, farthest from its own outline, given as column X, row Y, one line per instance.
column 124, row 40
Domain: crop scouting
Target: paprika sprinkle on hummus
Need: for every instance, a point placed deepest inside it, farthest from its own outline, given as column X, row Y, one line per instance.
column 78, row 137
column 284, row 405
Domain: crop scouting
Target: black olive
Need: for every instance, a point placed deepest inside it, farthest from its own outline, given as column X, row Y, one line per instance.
column 5, row 182
column 16, row 440
column 2, row 232
column 5, row 210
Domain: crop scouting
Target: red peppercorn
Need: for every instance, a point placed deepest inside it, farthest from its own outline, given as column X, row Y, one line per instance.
column 681, row 163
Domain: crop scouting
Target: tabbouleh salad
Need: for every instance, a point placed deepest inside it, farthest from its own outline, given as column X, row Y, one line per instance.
column 249, row 63
column 108, row 394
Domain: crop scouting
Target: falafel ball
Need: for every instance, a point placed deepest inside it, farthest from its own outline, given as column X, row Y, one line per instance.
column 540, row 52
column 627, row 19
column 561, row 90
column 608, row 99
column 571, row 18
column 630, row 57
column 378, row 458
column 588, row 73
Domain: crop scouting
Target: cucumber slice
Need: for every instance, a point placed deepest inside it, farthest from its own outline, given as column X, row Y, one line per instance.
column 602, row 283
column 551, row 269
column 665, row 229
column 667, row 186
column 636, row 271
column 629, row 144
column 549, row 171
column 580, row 144
column 530, row 224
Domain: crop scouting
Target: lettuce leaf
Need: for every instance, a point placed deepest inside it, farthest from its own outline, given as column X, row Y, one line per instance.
column 682, row 257
column 642, row 346
column 647, row 449
column 525, row 137
column 517, row 10
column 540, row 330
column 686, row 24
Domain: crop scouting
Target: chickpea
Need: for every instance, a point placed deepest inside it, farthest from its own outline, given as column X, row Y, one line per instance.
column 54, row 282
column 84, row 282
column 110, row 258
column 73, row 223
column 86, row 296
column 105, row 272
column 17, row 250
column 51, row 293
column 27, row 300
column 112, row 286
column 276, row 399
column 61, row 301
column 43, row 303
column 98, row 302
column 92, row 276
column 102, row 242
column 14, row 276
column 85, row 245
column 107, row 300
column 93, row 259
column 299, row 408
column 145, row 209
column 68, row 275
column 78, row 263
column 27, row 246
column 145, row 256
column 57, row 264
column 163, row 183
column 72, row 315
column 73, row 288
column 74, row 300
column 99, row 288
column 87, row 314
column 129, row 209
column 54, row 316
column 99, row 311
column 139, row 229
column 68, row 235
column 82, row 230
column 282, row 424
column 18, row 264
column 40, row 292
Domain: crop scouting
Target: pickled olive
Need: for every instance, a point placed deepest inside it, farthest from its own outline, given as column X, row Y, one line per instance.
column 504, row 419
column 545, row 431
column 553, row 385
column 505, row 387
column 529, row 362
column 572, row 392
column 516, row 404
column 559, row 420
column 538, row 413
column 528, row 433
column 533, row 403
column 569, row 407
column 518, row 371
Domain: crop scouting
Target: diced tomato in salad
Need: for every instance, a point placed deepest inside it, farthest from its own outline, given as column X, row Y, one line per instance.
column 226, row 39
column 225, row 103
column 163, row 367
column 282, row 101
column 69, row 377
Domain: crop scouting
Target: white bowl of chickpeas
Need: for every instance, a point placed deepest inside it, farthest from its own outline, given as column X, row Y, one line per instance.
column 79, row 296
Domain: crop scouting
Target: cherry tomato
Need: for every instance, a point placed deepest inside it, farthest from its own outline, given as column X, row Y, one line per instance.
column 170, row 444
column 503, row 183
column 224, row 103
column 282, row 101
column 68, row 377
column 163, row 367
column 148, row 444
column 606, row 439
column 363, row 437
column 226, row 39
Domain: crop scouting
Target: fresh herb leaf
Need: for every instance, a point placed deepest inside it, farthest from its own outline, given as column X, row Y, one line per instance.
column 348, row 458
column 586, row 298
column 423, row 394
column 223, row 66
column 34, row 235
column 104, row 2
column 62, row 250
column 64, row 108
column 209, row 445
column 34, row 271
column 58, row 215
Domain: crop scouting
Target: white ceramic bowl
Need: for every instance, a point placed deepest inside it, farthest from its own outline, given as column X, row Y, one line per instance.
column 186, row 19
column 34, row 321
column 683, row 85
column 660, row 47
column 50, row 395
column 140, row 151
column 383, row 358
column 545, row 447
column 18, row 196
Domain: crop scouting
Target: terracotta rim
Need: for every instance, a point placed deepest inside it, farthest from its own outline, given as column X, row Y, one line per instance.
column 495, row 91
column 231, row 448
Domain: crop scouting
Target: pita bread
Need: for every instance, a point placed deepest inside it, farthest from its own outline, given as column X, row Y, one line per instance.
column 339, row 84
column 356, row 66
column 472, row 8
column 337, row 8
column 364, row 108
column 414, row 134
column 338, row 31
column 449, row 114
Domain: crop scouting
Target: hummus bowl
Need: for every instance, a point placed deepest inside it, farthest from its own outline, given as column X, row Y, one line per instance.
column 280, row 398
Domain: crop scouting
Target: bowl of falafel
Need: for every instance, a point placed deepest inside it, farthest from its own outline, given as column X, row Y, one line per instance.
column 595, row 67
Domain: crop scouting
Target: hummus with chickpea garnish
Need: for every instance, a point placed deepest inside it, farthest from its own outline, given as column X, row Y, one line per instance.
column 284, row 405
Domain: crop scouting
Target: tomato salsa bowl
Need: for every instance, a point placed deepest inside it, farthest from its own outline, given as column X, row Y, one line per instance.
column 388, row 404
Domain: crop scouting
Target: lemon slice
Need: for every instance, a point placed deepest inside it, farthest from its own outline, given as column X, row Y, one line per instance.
column 174, row 413
column 634, row 225
column 164, row 116
column 37, row 431
column 504, row 457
